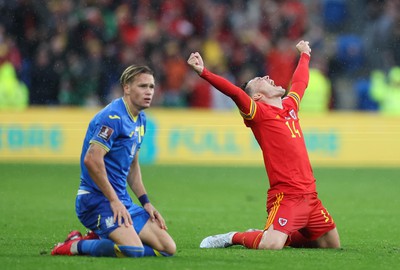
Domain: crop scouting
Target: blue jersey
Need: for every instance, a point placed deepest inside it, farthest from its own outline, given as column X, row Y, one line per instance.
column 121, row 134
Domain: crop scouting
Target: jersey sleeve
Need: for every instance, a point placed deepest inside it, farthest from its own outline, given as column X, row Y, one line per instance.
column 299, row 81
column 245, row 104
column 106, row 130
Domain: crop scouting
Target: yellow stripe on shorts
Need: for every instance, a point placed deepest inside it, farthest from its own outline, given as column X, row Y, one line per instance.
column 274, row 210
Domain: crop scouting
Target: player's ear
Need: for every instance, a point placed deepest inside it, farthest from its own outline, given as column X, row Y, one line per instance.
column 257, row 96
column 126, row 89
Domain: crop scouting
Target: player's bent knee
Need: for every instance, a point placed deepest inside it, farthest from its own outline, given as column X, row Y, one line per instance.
column 329, row 240
column 169, row 248
column 272, row 240
column 270, row 245
column 332, row 243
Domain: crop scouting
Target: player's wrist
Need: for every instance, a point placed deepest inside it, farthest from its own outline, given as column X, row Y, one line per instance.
column 144, row 199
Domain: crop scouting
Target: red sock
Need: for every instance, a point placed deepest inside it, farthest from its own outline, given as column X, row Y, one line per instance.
column 248, row 239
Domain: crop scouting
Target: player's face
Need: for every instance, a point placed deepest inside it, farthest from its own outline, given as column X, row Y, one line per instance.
column 266, row 86
column 140, row 91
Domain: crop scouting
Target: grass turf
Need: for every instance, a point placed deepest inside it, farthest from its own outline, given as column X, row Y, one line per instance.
column 37, row 210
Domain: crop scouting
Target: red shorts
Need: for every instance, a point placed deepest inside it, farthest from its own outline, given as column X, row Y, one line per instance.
column 304, row 213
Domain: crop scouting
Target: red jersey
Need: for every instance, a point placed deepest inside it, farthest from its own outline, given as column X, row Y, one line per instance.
column 277, row 131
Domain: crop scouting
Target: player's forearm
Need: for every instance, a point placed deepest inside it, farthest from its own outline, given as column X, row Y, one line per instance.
column 98, row 173
column 136, row 184
column 301, row 75
column 101, row 180
column 135, row 181
column 221, row 84
column 241, row 99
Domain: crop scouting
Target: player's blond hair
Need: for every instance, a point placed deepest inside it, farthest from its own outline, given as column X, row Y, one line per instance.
column 131, row 72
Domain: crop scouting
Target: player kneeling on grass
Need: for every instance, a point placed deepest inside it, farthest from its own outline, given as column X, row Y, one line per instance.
column 296, row 216
column 110, row 162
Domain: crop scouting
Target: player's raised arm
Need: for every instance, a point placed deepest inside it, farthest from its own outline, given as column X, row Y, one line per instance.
column 242, row 100
column 301, row 74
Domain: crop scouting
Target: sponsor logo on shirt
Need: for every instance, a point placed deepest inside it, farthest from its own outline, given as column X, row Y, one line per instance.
column 114, row 116
column 105, row 132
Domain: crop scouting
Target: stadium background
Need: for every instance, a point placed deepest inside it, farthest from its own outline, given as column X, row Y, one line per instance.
column 60, row 62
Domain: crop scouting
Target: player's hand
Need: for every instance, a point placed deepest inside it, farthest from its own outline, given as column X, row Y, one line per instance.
column 196, row 62
column 155, row 216
column 121, row 214
column 304, row 47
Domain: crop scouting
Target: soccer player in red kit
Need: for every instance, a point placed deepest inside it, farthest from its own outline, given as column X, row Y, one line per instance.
column 296, row 217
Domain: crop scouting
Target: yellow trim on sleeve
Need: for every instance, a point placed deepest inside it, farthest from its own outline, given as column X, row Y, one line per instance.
column 100, row 144
column 252, row 113
column 295, row 97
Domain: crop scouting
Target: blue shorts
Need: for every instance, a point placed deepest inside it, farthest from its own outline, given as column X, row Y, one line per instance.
column 94, row 212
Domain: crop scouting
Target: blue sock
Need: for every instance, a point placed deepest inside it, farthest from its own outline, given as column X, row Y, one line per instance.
column 130, row 251
column 149, row 251
column 97, row 248
column 107, row 248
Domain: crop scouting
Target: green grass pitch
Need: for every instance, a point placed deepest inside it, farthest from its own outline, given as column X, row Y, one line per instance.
column 37, row 210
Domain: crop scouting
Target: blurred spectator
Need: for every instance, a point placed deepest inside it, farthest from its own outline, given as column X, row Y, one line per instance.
column 13, row 93
column 318, row 95
column 365, row 103
column 376, row 35
column 44, row 81
column 281, row 62
column 294, row 18
column 175, row 69
column 386, row 90
column 89, row 42
column 220, row 101
column 199, row 92
column 393, row 49
column 8, row 50
column 335, row 14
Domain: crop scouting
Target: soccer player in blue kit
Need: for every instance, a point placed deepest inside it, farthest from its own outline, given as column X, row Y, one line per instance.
column 110, row 162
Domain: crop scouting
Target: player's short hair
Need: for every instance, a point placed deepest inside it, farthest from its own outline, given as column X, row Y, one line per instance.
column 132, row 71
column 245, row 88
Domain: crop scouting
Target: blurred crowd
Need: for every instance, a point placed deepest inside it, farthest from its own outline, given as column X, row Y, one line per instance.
column 71, row 52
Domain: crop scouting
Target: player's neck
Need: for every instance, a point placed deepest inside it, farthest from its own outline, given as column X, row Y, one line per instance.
column 276, row 102
column 132, row 109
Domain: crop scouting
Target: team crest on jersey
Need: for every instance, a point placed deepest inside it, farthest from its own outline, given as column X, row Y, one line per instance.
column 293, row 114
column 105, row 132
column 282, row 221
column 109, row 222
